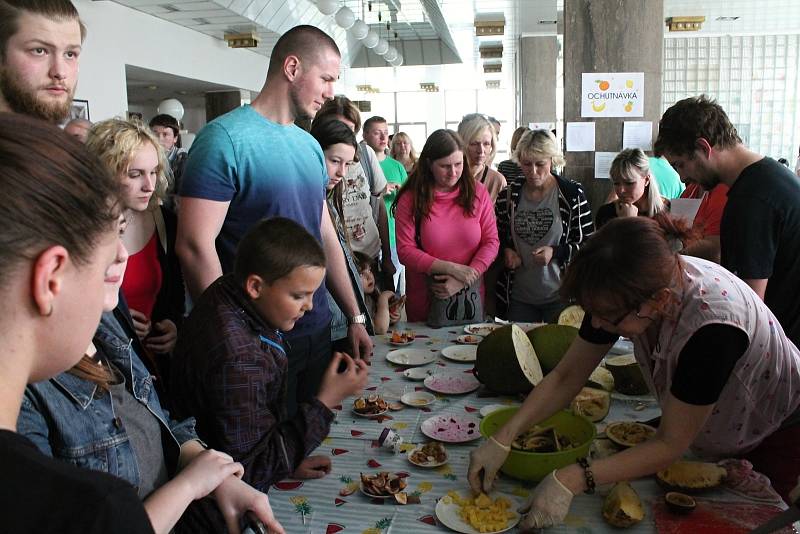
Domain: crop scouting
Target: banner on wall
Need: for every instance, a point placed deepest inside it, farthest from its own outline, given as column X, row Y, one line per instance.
column 612, row 94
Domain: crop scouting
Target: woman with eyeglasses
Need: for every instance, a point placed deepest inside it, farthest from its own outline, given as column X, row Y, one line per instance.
column 717, row 360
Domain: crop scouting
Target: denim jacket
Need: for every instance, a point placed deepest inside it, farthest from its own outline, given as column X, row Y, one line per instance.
column 65, row 419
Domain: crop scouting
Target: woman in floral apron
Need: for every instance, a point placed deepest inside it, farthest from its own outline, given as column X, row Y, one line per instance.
column 725, row 374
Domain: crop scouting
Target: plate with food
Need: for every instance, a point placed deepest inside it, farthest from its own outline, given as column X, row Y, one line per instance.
column 492, row 513
column 432, row 454
column 383, row 485
column 451, row 428
column 370, row 406
column 418, row 399
column 417, row 373
column 481, row 329
column 411, row 356
column 461, row 353
column 401, row 338
column 469, row 339
column 629, row 433
column 456, row 383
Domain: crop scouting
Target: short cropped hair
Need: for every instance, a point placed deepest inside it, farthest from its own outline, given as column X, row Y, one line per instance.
column 375, row 119
column 11, row 10
column 340, row 106
column 691, row 119
column 304, row 41
column 166, row 121
column 273, row 248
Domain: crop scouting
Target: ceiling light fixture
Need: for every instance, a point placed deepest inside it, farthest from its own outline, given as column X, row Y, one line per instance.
column 241, row 40
column 685, row 24
column 487, row 24
column 548, row 22
column 727, row 19
column 491, row 50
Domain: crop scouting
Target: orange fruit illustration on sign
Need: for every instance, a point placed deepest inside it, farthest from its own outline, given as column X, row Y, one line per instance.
column 603, row 84
column 629, row 107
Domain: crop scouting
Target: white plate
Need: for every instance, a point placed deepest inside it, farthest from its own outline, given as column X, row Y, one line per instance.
column 456, row 383
column 418, row 399
column 417, row 373
column 370, row 414
column 481, row 329
column 411, row 356
column 431, row 464
column 451, row 428
column 469, row 339
column 461, row 353
column 447, row 514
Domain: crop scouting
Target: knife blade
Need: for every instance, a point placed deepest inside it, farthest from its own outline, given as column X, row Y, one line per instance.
column 785, row 518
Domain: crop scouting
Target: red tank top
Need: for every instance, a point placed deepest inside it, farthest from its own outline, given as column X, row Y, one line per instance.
column 143, row 278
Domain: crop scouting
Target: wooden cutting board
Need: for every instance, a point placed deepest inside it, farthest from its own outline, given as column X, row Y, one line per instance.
column 712, row 517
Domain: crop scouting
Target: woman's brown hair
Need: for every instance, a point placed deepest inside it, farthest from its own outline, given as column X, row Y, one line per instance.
column 627, row 261
column 440, row 144
column 56, row 193
column 340, row 106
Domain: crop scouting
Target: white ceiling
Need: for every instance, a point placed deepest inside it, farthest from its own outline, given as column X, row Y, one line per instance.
column 149, row 87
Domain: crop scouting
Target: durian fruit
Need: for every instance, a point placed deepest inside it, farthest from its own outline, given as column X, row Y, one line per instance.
column 591, row 403
column 506, row 362
column 572, row 316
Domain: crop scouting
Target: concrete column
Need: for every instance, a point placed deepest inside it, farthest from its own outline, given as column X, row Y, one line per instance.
column 538, row 57
column 220, row 102
column 610, row 36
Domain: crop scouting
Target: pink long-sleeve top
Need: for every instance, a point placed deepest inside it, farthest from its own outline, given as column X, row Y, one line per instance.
column 446, row 234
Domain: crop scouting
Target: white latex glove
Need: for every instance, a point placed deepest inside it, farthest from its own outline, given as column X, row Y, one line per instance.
column 548, row 505
column 487, row 458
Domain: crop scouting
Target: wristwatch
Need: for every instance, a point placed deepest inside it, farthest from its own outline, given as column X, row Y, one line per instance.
column 361, row 318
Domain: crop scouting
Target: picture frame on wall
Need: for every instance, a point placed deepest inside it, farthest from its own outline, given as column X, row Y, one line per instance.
column 79, row 110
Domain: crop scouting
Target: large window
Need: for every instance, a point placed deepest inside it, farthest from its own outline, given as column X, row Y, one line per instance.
column 754, row 78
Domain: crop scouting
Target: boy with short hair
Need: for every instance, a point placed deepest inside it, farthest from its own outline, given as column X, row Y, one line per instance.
column 230, row 367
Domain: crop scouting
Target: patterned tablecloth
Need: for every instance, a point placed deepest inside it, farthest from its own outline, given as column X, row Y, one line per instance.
column 316, row 506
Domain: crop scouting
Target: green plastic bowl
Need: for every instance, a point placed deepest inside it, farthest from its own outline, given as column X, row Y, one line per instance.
column 537, row 465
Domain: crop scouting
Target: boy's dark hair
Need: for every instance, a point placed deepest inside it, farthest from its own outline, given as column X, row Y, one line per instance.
column 375, row 119
column 166, row 121
column 305, row 42
column 691, row 119
column 273, row 248
column 11, row 10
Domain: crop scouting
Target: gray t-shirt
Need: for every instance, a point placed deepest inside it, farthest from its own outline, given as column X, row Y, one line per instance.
column 144, row 433
column 536, row 224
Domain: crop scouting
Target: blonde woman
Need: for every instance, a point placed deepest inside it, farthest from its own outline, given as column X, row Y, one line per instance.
column 479, row 135
column 542, row 222
column 153, row 284
column 403, row 151
column 636, row 189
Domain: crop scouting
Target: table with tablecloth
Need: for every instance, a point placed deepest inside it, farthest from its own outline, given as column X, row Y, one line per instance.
column 323, row 506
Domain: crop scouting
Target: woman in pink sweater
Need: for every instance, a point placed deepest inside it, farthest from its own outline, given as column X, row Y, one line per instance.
column 457, row 230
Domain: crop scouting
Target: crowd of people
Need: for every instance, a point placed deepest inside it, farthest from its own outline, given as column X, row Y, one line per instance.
column 124, row 409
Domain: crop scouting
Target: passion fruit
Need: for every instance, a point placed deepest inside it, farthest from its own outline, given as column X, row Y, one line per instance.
column 680, row 503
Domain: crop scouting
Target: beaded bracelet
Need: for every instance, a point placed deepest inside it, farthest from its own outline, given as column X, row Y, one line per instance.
column 587, row 471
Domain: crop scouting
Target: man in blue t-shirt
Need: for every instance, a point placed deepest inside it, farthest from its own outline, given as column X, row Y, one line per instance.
column 254, row 163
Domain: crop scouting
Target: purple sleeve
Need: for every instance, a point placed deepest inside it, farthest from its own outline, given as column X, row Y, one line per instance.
column 250, row 430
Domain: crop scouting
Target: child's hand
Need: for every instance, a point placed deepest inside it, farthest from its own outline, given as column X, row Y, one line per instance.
column 337, row 386
column 207, row 470
column 386, row 296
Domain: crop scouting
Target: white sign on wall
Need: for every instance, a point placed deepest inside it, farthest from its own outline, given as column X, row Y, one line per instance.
column 612, row 94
